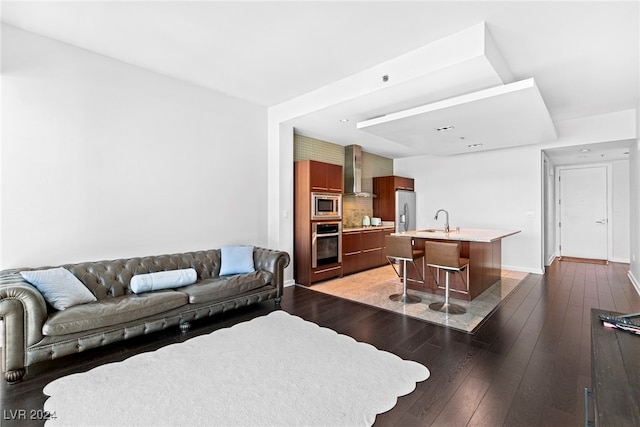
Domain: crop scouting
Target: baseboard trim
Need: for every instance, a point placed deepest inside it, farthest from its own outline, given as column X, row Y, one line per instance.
column 523, row 269
column 289, row 282
column 634, row 281
column 584, row 260
column 620, row 260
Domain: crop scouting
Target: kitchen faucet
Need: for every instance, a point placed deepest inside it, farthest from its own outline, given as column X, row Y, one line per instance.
column 446, row 221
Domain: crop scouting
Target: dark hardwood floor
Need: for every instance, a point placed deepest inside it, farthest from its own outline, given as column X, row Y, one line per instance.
column 527, row 365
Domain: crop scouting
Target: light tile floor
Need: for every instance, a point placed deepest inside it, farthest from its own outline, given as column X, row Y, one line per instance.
column 373, row 287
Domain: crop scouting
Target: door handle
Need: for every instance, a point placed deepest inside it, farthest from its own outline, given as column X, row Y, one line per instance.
column 602, row 221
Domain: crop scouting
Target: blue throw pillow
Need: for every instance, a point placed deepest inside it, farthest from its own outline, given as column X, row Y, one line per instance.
column 163, row 280
column 59, row 287
column 236, row 260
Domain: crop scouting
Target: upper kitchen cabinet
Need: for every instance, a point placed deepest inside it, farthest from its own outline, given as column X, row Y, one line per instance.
column 385, row 187
column 397, row 182
column 322, row 176
column 401, row 183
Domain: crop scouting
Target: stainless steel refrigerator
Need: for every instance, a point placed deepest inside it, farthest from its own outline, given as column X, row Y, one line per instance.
column 405, row 211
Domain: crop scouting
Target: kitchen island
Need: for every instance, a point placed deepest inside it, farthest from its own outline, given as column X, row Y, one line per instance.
column 483, row 248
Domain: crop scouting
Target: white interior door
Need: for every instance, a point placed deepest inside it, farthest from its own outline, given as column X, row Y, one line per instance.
column 583, row 212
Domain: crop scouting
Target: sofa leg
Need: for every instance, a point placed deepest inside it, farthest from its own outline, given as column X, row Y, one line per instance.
column 184, row 327
column 277, row 300
column 14, row 376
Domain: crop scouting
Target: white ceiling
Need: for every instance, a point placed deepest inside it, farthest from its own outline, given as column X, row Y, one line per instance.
column 468, row 122
column 590, row 153
column 584, row 56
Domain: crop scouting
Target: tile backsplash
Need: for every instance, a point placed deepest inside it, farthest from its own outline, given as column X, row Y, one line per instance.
column 353, row 208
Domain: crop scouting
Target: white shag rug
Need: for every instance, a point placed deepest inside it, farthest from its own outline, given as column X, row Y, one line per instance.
column 274, row 370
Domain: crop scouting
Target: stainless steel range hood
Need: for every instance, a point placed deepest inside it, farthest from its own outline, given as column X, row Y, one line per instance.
column 353, row 172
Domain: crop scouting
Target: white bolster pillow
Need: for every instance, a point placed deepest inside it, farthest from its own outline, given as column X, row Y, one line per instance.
column 163, row 280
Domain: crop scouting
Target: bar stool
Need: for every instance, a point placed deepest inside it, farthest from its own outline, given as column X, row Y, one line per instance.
column 400, row 248
column 446, row 255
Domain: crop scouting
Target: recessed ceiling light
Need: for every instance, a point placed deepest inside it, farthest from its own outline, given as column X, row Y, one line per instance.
column 585, row 150
column 474, row 145
column 344, row 120
column 443, row 128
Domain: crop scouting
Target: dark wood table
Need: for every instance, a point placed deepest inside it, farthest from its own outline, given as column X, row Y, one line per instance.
column 615, row 374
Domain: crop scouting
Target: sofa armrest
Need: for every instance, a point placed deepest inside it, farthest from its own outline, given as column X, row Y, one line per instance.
column 24, row 311
column 274, row 262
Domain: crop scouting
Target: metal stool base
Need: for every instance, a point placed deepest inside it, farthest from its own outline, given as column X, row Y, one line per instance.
column 447, row 308
column 405, row 298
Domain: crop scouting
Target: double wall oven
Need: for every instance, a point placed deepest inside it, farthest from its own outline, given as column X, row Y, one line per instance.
column 326, row 243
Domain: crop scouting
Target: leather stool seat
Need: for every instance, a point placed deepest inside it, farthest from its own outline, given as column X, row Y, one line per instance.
column 400, row 249
column 446, row 255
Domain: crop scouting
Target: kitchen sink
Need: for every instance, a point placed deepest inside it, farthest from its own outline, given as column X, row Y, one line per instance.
column 431, row 230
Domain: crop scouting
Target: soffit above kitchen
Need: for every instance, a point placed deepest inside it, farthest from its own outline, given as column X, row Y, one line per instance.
column 499, row 117
column 461, row 97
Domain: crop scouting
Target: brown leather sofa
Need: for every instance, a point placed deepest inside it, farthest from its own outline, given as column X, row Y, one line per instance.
column 35, row 331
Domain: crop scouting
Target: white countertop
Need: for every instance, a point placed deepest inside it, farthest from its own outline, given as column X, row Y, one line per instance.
column 371, row 227
column 464, row 234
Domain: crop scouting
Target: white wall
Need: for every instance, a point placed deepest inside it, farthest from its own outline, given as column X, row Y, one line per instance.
column 549, row 211
column 634, row 191
column 101, row 159
column 619, row 217
column 491, row 189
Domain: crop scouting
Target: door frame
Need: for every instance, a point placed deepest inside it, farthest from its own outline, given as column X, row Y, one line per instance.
column 609, row 175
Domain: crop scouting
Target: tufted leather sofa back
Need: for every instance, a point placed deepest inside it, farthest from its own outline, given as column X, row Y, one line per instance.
column 110, row 279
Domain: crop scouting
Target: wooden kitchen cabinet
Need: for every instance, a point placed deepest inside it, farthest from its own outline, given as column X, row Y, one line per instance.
column 351, row 252
column 335, row 180
column 363, row 249
column 311, row 176
column 323, row 177
column 384, row 187
column 372, row 244
column 401, row 183
column 383, row 256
